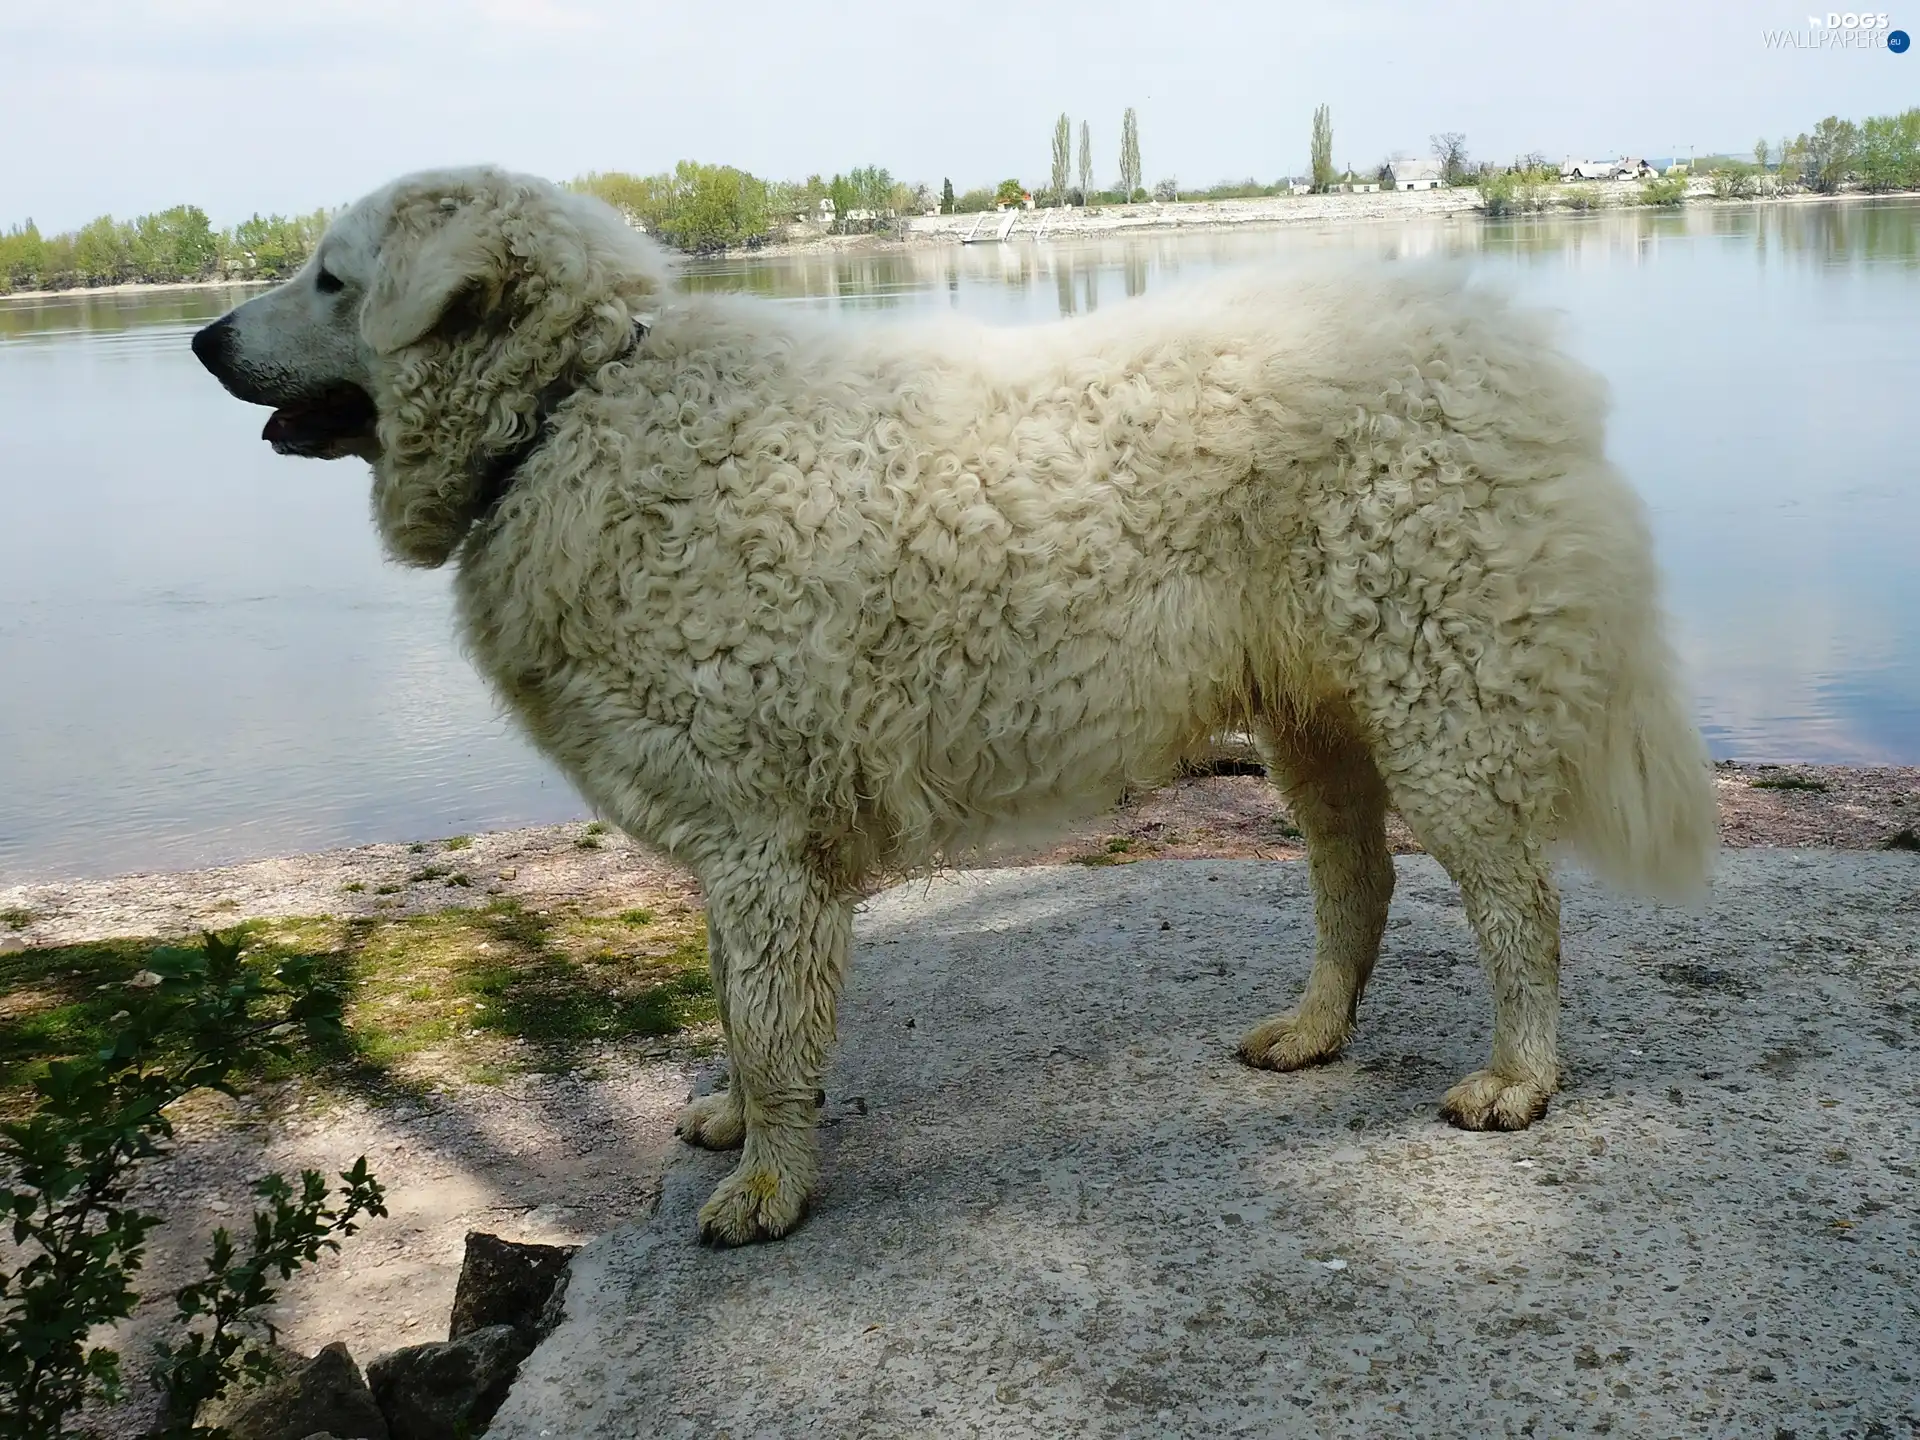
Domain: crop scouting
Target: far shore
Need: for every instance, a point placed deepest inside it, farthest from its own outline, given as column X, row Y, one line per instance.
column 1274, row 212
column 1232, row 813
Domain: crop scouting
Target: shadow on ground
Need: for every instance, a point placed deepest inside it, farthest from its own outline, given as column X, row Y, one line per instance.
column 1055, row 1205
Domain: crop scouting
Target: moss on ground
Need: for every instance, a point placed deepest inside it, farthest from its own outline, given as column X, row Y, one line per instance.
column 469, row 995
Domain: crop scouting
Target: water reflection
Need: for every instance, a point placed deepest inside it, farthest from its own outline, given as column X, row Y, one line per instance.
column 219, row 665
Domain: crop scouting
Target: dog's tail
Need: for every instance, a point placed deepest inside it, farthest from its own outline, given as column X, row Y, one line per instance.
column 1641, row 806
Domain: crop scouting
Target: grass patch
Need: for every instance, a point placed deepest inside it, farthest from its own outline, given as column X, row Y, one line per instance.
column 354, row 887
column 1787, row 782
column 458, row 842
column 472, row 995
column 16, row 917
column 1907, row 839
column 1117, row 851
column 636, row 917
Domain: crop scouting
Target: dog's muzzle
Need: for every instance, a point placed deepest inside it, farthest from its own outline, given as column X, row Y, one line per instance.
column 322, row 424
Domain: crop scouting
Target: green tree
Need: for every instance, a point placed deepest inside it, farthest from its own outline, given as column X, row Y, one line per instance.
column 1832, row 151
column 1129, row 154
column 103, row 252
column 1062, row 173
column 1322, row 149
column 1760, row 153
column 1086, row 162
column 23, row 257
column 1889, row 151
column 176, row 244
column 695, row 207
column 1011, row 192
column 1793, row 160
column 946, row 197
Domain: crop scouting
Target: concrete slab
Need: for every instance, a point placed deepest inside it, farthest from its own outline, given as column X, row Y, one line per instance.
column 1057, row 1206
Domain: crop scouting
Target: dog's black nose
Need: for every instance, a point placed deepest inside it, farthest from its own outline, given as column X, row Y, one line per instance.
column 211, row 345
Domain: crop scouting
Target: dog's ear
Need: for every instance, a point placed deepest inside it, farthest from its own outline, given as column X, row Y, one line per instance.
column 446, row 281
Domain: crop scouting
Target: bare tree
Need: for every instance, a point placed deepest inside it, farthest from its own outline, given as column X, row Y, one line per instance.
column 1062, row 157
column 1086, row 162
column 1129, row 153
column 1450, row 149
column 1322, row 149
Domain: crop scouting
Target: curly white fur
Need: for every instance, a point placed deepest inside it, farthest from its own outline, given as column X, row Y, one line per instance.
column 796, row 600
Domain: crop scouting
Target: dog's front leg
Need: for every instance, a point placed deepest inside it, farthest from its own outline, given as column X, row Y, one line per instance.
column 784, row 929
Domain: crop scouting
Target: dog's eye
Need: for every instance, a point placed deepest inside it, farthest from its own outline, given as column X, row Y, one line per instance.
column 327, row 282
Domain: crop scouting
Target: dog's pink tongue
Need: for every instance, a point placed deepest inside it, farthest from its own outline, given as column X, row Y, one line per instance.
column 281, row 425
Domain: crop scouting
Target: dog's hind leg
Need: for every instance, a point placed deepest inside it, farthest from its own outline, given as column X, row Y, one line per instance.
column 1506, row 884
column 1340, row 802
column 783, row 927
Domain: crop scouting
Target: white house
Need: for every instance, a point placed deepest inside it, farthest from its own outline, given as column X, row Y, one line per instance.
column 1296, row 186
column 1414, row 174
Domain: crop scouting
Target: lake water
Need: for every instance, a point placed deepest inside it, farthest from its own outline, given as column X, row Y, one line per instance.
column 203, row 657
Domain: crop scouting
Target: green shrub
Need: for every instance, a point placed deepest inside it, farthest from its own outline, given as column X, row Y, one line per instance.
column 1581, row 197
column 1732, row 181
column 1664, row 190
column 1499, row 192
column 1509, row 192
column 194, row 1018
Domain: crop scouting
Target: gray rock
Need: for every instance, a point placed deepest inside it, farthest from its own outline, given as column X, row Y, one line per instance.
column 448, row 1389
column 1057, row 1205
column 324, row 1394
column 504, row 1282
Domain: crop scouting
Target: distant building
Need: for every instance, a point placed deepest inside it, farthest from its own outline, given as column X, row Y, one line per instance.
column 1354, row 185
column 1627, row 167
column 1297, row 186
column 1413, row 174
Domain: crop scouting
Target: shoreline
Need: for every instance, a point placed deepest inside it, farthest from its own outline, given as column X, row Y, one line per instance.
column 586, row 866
column 135, row 287
column 1275, row 212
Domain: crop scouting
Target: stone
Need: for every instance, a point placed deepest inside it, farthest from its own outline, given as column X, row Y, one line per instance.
column 1025, row 1232
column 506, row 1282
column 325, row 1394
column 447, row 1389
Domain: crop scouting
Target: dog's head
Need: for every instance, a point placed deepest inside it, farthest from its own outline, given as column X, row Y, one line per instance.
column 423, row 330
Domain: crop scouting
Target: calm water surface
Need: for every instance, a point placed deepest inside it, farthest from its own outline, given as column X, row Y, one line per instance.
column 203, row 657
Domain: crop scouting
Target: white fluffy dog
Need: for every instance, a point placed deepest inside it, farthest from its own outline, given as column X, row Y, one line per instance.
column 798, row 600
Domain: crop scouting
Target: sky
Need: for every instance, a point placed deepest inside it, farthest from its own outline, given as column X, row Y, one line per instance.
column 126, row 106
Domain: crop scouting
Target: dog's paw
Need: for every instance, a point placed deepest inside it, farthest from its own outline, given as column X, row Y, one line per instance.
column 713, row 1122
column 760, row 1200
column 1284, row 1043
column 1487, row 1100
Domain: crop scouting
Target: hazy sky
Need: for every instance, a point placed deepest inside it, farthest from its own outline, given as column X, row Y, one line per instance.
column 132, row 105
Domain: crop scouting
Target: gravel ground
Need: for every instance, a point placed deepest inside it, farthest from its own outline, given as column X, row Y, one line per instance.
column 1055, row 1204
column 566, row 1157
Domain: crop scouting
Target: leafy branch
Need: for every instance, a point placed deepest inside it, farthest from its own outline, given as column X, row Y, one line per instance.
column 197, row 1017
